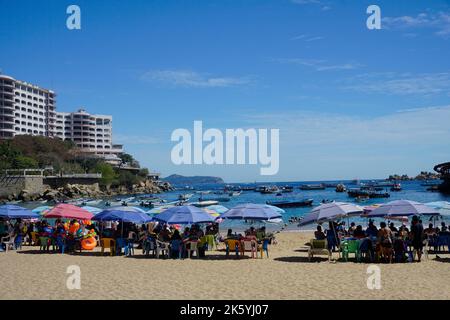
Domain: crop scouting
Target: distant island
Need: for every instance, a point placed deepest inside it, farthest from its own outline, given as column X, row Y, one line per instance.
column 421, row 176
column 178, row 179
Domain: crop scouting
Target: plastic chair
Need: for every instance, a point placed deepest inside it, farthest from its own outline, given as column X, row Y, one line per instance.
column 350, row 246
column 8, row 241
column 34, row 238
column 249, row 246
column 129, row 248
column 121, row 243
column 192, row 248
column 108, row 243
column 264, row 247
column 149, row 245
column 162, row 248
column 44, row 243
column 319, row 247
column 210, row 241
column 232, row 244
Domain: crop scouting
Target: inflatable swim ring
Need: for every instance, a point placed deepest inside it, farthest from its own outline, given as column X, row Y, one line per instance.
column 89, row 243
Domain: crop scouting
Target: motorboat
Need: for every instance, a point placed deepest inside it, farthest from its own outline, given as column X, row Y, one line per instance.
column 291, row 203
column 312, row 187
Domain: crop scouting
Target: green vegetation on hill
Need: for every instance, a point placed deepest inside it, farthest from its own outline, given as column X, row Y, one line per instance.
column 32, row 152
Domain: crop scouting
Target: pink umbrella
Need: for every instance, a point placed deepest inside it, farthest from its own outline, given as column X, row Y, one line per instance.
column 68, row 211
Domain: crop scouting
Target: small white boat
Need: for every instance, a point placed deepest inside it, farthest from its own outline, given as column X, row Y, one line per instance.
column 93, row 202
column 204, row 203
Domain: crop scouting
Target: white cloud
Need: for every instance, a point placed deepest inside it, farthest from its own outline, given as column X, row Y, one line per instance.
column 307, row 38
column 439, row 22
column 420, row 127
column 319, row 65
column 187, row 78
column 401, row 83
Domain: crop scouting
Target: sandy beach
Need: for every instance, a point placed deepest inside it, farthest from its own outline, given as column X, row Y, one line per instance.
column 287, row 274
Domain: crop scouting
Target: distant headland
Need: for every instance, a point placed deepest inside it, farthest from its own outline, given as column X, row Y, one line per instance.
column 179, row 179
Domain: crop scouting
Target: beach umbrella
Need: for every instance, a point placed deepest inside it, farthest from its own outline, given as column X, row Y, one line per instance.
column 217, row 208
column 331, row 211
column 442, row 206
column 402, row 208
column 68, row 211
column 159, row 209
column 42, row 210
column 279, row 210
column 122, row 215
column 251, row 211
column 126, row 208
column 184, row 215
column 92, row 210
column 9, row 211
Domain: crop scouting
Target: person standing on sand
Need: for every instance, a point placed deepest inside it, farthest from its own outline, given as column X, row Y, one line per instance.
column 416, row 236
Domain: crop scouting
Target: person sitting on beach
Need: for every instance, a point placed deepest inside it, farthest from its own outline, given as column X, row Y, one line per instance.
column 372, row 230
column 430, row 231
column 351, row 229
column 359, row 232
column 341, row 228
column 230, row 234
column 319, row 234
column 393, row 228
column 164, row 235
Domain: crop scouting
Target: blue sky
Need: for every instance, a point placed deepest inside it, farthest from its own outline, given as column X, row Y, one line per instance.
column 349, row 102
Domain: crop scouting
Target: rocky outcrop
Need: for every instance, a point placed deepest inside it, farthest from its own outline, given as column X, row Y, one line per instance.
column 73, row 191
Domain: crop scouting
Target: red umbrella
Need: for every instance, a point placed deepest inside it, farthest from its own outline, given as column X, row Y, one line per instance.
column 68, row 211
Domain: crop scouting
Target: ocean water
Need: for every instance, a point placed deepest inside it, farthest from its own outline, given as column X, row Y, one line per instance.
column 411, row 190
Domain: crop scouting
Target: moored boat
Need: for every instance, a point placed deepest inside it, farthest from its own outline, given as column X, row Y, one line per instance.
column 312, row 187
column 291, row 203
column 204, row 203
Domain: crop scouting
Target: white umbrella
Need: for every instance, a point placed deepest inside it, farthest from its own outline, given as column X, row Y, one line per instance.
column 331, row 211
column 402, row 208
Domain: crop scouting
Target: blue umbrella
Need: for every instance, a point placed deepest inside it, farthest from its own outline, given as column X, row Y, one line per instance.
column 217, row 208
column 184, row 215
column 126, row 208
column 9, row 211
column 124, row 216
column 251, row 211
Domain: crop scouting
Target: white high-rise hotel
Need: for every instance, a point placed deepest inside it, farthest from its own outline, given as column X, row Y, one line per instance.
column 26, row 109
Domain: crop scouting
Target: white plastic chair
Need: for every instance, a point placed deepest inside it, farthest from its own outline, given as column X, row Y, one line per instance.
column 8, row 241
column 249, row 245
column 192, row 247
column 162, row 248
